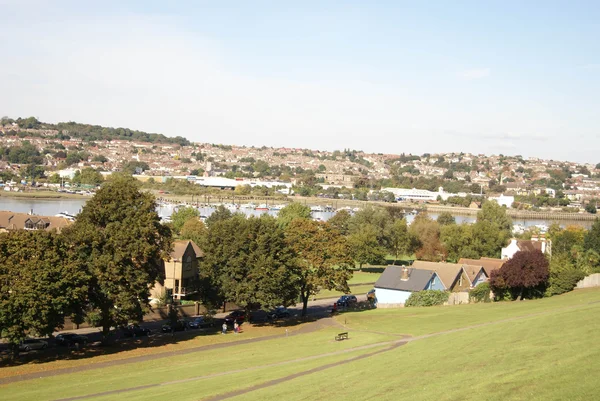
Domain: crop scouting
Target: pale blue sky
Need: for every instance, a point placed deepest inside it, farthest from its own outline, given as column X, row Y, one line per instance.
column 511, row 77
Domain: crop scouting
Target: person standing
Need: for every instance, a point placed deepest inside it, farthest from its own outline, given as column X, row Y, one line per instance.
column 224, row 328
column 236, row 327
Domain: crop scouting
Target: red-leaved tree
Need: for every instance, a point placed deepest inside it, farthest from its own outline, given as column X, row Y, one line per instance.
column 526, row 273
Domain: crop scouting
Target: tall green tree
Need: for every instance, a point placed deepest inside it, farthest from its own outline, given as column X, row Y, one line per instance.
column 322, row 257
column 492, row 230
column 40, row 284
column 592, row 238
column 445, row 218
column 181, row 215
column 400, row 241
column 87, row 176
column 119, row 241
column 221, row 213
column 427, row 231
column 458, row 241
column 293, row 211
column 194, row 230
column 249, row 262
column 341, row 221
column 364, row 246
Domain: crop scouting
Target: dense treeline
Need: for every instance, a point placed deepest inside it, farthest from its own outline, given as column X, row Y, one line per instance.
column 90, row 132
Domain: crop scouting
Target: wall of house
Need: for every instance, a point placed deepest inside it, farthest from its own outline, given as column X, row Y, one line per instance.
column 510, row 250
column 391, row 297
column 480, row 278
column 435, row 284
column 462, row 283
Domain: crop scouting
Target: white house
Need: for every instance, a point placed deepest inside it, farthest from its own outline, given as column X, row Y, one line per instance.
column 396, row 283
column 516, row 245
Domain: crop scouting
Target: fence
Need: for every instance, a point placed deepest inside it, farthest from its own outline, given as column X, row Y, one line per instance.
column 457, row 298
column 593, row 280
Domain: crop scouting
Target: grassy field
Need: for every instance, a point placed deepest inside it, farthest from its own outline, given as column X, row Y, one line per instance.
column 534, row 350
column 359, row 277
column 356, row 290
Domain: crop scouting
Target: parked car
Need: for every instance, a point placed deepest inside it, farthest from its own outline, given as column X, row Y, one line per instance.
column 69, row 339
column 238, row 315
column 279, row 313
column 180, row 325
column 201, row 322
column 134, row 330
column 347, row 300
column 32, row 344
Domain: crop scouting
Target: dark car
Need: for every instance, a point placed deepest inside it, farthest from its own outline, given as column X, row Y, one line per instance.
column 238, row 315
column 279, row 313
column 69, row 339
column 201, row 322
column 134, row 330
column 180, row 325
column 31, row 344
column 347, row 300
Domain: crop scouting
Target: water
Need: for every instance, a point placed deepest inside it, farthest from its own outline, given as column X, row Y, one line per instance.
column 51, row 207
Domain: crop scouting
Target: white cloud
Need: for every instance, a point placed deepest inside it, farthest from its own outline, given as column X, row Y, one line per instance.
column 476, row 73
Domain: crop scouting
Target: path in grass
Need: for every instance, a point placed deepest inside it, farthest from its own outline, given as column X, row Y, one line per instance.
column 306, row 328
column 389, row 345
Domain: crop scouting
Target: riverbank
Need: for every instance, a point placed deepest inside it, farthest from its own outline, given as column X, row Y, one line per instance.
column 41, row 195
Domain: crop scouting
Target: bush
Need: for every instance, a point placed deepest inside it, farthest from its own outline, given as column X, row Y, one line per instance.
column 481, row 293
column 563, row 281
column 427, row 298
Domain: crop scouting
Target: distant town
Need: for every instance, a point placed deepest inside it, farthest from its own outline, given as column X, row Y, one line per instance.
column 69, row 155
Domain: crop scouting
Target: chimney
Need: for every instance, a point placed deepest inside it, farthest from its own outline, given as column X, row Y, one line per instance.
column 534, row 237
column 404, row 276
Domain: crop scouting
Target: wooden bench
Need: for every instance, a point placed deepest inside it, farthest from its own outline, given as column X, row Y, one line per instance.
column 341, row 336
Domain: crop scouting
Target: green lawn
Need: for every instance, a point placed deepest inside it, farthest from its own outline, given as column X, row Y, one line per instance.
column 356, row 290
column 531, row 350
column 359, row 277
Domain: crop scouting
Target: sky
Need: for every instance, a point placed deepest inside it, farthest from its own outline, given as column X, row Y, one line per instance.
column 492, row 77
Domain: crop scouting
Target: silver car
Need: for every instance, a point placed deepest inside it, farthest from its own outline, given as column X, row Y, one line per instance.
column 32, row 344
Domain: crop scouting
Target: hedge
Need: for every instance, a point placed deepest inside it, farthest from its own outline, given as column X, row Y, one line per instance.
column 427, row 298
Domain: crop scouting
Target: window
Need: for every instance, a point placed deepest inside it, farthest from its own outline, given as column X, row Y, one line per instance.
column 29, row 225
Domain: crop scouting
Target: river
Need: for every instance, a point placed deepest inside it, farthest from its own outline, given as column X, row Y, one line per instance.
column 51, row 207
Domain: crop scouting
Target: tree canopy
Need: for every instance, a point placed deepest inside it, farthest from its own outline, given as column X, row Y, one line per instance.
column 525, row 274
column 119, row 241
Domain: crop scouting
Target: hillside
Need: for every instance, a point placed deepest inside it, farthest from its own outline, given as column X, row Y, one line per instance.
column 534, row 350
column 87, row 132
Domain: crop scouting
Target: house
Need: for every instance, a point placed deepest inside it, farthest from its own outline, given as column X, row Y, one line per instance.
column 396, row 283
column 488, row 265
column 504, row 200
column 10, row 221
column 452, row 275
column 180, row 271
column 536, row 243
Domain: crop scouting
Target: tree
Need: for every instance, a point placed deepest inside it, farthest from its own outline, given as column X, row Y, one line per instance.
column 445, row 218
column 181, row 215
column 492, row 230
column 135, row 167
column 322, row 257
column 364, row 246
column 564, row 275
column 87, row 176
column 458, row 241
column 525, row 274
column 378, row 218
column 592, row 238
column 100, row 159
column 194, row 230
column 221, row 213
column 341, row 221
column 293, row 211
column 427, row 231
column 400, row 242
column 120, row 243
column 249, row 263
column 590, row 208
column 40, row 284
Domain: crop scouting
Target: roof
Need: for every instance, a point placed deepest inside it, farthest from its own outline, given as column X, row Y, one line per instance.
column 447, row 272
column 488, row 264
column 472, row 271
column 417, row 279
column 529, row 246
column 16, row 221
column 180, row 246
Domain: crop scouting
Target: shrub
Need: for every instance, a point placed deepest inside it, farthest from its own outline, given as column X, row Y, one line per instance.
column 481, row 293
column 563, row 281
column 427, row 298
